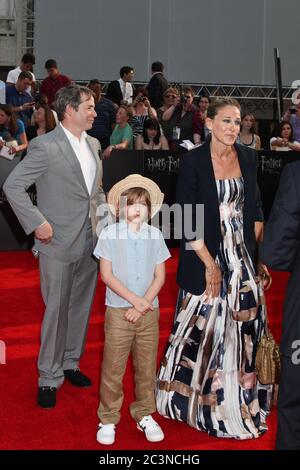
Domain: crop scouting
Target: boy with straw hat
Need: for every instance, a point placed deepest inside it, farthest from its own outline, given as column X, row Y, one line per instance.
column 132, row 264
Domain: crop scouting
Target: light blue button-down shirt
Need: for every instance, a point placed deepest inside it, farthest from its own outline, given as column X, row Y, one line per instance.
column 134, row 256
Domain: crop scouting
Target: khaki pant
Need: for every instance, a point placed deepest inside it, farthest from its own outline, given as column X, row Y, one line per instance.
column 121, row 338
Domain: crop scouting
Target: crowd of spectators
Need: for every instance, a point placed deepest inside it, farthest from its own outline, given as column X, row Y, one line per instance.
column 157, row 116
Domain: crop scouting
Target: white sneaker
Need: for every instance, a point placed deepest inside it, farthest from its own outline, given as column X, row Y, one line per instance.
column 152, row 430
column 106, row 434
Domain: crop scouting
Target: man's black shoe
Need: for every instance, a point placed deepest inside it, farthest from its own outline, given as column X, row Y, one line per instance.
column 77, row 378
column 46, row 397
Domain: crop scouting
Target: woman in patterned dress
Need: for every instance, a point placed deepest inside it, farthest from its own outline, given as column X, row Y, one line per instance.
column 207, row 377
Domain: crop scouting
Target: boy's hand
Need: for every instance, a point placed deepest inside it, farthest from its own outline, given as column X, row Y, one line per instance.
column 132, row 315
column 142, row 305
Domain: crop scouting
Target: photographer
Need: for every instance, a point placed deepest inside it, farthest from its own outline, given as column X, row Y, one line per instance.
column 142, row 110
column 292, row 115
column 181, row 119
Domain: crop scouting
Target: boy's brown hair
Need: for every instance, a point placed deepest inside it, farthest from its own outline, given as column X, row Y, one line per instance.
column 132, row 195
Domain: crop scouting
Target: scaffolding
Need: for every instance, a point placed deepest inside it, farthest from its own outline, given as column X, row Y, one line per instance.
column 16, row 30
column 247, row 92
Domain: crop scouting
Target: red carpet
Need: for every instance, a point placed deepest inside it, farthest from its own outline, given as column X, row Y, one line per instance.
column 73, row 423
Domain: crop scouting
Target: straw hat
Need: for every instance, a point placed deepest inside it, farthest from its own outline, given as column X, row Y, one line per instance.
column 136, row 181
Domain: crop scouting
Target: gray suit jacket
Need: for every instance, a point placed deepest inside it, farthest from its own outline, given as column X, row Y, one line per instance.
column 62, row 196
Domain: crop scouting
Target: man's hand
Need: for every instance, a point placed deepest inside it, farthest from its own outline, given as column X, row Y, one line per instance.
column 44, row 233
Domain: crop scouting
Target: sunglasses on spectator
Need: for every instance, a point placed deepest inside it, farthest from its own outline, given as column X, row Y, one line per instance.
column 171, row 96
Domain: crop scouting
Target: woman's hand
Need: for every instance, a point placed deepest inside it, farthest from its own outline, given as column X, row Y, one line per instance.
column 213, row 278
column 264, row 276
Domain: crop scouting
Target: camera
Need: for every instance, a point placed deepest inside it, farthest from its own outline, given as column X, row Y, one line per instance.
column 141, row 99
column 292, row 110
column 183, row 99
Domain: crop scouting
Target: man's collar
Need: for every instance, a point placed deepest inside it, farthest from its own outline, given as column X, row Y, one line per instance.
column 70, row 135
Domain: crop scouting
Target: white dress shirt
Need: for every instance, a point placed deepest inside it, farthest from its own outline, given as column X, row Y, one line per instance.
column 127, row 91
column 84, row 155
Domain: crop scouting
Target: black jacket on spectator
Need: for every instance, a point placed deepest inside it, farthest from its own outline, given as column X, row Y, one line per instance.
column 114, row 92
column 156, row 88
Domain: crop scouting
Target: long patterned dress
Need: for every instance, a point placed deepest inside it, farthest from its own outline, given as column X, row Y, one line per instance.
column 207, row 377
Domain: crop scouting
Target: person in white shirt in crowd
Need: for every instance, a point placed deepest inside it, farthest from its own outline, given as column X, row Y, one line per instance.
column 247, row 136
column 285, row 140
column 27, row 63
column 121, row 91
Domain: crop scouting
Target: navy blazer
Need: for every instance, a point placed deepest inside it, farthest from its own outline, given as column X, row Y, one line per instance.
column 280, row 250
column 197, row 185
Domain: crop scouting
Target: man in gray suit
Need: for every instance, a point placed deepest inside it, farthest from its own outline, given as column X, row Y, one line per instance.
column 65, row 167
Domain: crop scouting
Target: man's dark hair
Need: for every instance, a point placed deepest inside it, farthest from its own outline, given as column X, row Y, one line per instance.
column 72, row 95
column 203, row 95
column 51, row 64
column 24, row 75
column 157, row 67
column 124, row 70
column 28, row 58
